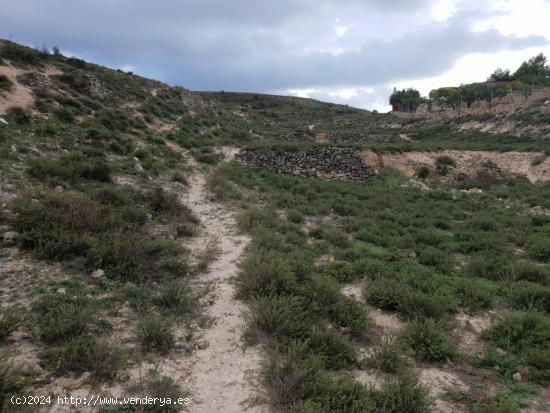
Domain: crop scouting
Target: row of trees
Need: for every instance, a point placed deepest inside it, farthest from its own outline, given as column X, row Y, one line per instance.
column 502, row 82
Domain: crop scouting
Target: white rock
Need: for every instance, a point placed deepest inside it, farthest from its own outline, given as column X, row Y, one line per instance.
column 138, row 167
column 98, row 274
column 61, row 290
column 4, row 121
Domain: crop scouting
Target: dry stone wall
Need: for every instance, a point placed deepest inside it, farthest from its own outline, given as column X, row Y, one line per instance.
column 326, row 163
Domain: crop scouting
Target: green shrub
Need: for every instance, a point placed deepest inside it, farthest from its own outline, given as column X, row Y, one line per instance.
column 526, row 295
column 60, row 318
column 539, row 366
column 168, row 204
column 388, row 357
column 64, row 115
column 222, row 188
column 520, row 331
column 72, row 169
column 5, row 83
column 493, row 267
column 333, row 348
column 154, row 334
column 19, row 55
column 162, row 388
column 263, row 274
column 18, row 115
column 10, row 319
column 13, row 382
column 426, row 305
column 85, row 354
column 405, row 394
column 350, row 315
column 295, row 216
column 423, row 172
column 426, row 338
column 528, row 271
column 497, row 405
column 289, row 377
column 474, row 295
column 331, row 234
column 436, row 258
column 445, row 160
column 278, row 317
column 175, row 298
column 538, row 248
column 344, row 395
column 386, row 293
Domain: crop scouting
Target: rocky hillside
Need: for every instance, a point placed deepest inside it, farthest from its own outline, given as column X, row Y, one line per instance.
column 246, row 252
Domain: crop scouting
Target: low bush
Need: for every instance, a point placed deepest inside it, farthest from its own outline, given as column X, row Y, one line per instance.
column 13, row 382
column 386, row 293
column 520, row 331
column 289, row 378
column 60, row 318
column 539, row 366
column 388, row 357
column 71, row 169
column 538, row 248
column 18, row 116
column 162, row 388
column 175, row 298
column 497, row 405
column 350, row 315
column 5, row 83
column 85, row 354
column 427, row 339
column 10, row 319
column 474, row 295
column 278, row 318
column 295, row 216
column 423, row 172
column 222, row 188
column 526, row 295
column 154, row 334
column 405, row 394
column 264, row 274
column 333, row 348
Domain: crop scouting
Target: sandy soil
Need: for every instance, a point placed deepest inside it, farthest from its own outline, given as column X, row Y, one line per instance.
column 19, row 96
column 222, row 375
column 468, row 162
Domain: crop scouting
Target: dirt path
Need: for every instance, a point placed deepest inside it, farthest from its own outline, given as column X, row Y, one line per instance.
column 223, row 373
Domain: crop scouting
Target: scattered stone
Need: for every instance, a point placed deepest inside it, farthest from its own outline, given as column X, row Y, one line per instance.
column 412, row 254
column 138, row 168
column 4, row 121
column 98, row 274
column 78, row 383
column 201, row 344
column 10, row 238
column 61, row 291
column 517, row 377
column 326, row 163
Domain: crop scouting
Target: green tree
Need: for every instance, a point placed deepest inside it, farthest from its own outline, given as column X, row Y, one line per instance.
column 534, row 70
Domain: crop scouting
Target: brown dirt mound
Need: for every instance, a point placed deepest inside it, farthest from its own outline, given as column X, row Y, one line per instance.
column 469, row 163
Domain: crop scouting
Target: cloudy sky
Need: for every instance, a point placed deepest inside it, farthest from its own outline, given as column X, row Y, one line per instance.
column 352, row 51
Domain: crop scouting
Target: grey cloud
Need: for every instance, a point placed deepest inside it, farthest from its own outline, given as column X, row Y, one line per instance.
column 253, row 45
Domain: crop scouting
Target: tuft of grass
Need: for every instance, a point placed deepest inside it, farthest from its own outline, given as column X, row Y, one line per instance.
column 404, row 394
column 175, row 298
column 520, row 331
column 207, row 255
column 427, row 339
column 13, row 382
column 6, row 84
column 154, row 334
column 10, row 319
column 85, row 354
column 388, row 357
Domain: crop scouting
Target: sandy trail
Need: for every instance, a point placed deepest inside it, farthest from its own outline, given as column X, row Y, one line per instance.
column 223, row 374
